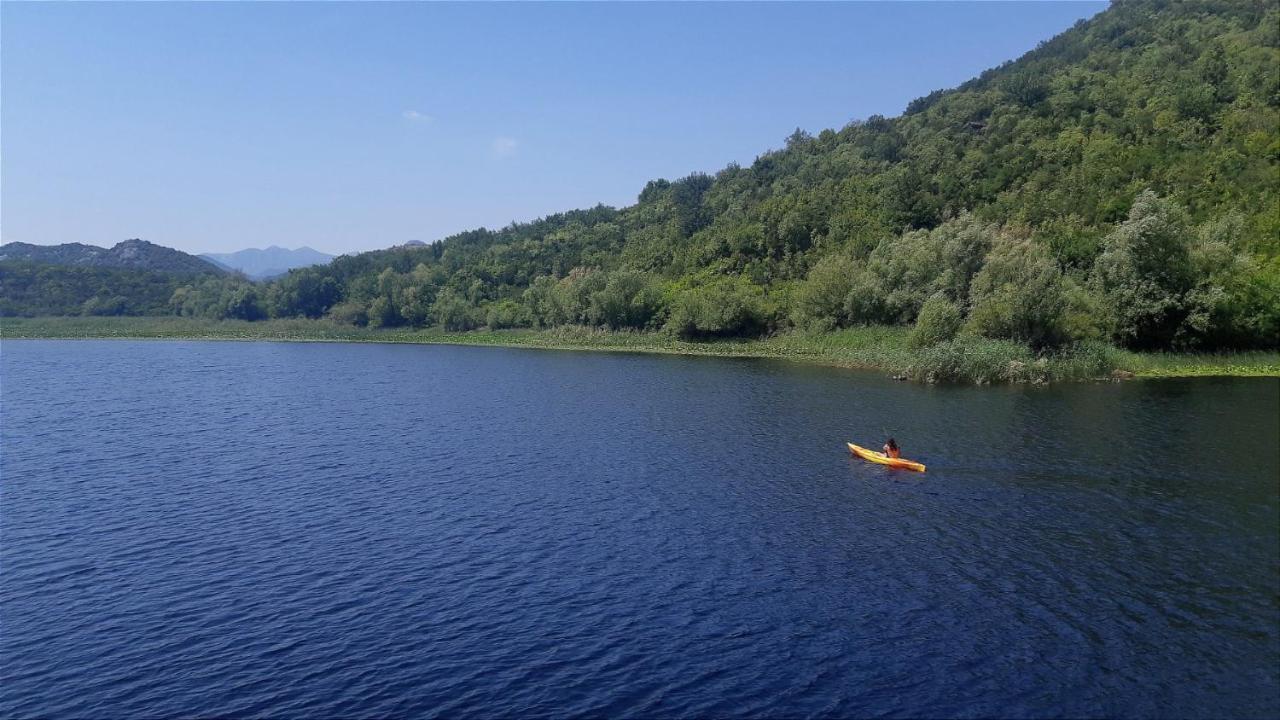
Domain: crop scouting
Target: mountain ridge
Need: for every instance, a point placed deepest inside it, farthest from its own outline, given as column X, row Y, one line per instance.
column 133, row 254
column 268, row 262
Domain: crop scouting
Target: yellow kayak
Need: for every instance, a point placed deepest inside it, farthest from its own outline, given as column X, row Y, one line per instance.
column 883, row 459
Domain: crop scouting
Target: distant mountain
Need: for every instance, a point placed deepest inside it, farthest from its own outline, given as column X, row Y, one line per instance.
column 133, row 254
column 262, row 264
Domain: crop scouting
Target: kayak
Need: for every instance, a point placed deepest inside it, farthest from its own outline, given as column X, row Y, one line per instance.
column 883, row 459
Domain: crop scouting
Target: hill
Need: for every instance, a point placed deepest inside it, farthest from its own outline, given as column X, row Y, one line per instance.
column 1118, row 182
column 134, row 277
column 262, row 264
column 130, row 254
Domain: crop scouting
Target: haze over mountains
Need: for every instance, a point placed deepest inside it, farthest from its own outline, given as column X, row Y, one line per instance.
column 135, row 254
column 261, row 264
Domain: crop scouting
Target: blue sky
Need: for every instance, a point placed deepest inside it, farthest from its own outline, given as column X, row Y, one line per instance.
column 218, row 126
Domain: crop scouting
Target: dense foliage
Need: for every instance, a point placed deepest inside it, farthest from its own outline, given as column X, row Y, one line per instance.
column 29, row 289
column 1119, row 183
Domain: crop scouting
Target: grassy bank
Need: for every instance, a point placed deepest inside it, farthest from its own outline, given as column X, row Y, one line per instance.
column 877, row 348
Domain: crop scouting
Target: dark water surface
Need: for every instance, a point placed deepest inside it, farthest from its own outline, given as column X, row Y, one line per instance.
column 256, row 529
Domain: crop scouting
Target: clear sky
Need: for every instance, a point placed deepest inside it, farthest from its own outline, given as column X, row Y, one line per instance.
column 218, row 126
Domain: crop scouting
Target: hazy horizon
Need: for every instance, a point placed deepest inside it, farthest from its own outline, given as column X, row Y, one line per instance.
column 353, row 127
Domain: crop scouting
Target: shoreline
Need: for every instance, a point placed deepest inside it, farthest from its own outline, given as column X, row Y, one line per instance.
column 882, row 349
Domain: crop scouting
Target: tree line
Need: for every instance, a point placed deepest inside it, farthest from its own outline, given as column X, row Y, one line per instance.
column 1158, row 281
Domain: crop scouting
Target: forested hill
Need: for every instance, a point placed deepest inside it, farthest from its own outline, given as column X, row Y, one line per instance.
column 133, row 254
column 135, row 277
column 1120, row 183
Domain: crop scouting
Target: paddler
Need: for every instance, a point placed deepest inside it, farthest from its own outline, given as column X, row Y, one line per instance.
column 891, row 449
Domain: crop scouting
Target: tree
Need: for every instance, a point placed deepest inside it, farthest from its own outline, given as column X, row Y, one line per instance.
column 902, row 272
column 383, row 313
column 506, row 314
column 310, row 293
column 724, row 307
column 939, row 321
column 820, row 299
column 628, row 300
column 453, row 312
column 1019, row 295
column 1145, row 273
column 540, row 299
column 1182, row 97
column 1236, row 299
column 350, row 312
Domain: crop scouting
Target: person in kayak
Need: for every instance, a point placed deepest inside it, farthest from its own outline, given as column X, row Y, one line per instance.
column 891, row 449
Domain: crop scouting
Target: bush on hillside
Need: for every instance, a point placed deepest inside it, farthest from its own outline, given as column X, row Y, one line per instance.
column 819, row 302
column 350, row 312
column 723, row 308
column 902, row 272
column 506, row 314
column 629, row 299
column 383, row 313
column 1236, row 299
column 452, row 311
column 939, row 321
column 1019, row 295
column 1145, row 274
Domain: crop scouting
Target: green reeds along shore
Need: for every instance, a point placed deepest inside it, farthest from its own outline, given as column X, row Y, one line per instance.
column 964, row 360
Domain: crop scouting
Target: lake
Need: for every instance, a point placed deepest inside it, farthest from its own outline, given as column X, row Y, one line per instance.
column 306, row 530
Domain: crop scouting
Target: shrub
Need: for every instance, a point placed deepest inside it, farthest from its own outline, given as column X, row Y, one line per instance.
column 628, row 300
column 820, row 299
column 98, row 305
column 350, row 312
column 506, row 314
column 902, row 272
column 383, row 313
column 1019, row 295
column 939, row 321
column 452, row 311
column 726, row 307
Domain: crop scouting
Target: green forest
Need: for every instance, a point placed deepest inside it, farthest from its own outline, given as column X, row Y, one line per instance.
column 1120, row 183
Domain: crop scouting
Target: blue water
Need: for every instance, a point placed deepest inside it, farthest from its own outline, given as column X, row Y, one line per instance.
column 312, row 530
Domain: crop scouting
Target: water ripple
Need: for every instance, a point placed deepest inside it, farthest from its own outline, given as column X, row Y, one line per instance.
column 248, row 530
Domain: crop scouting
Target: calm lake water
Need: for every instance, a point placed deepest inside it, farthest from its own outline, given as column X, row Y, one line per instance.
column 258, row 529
